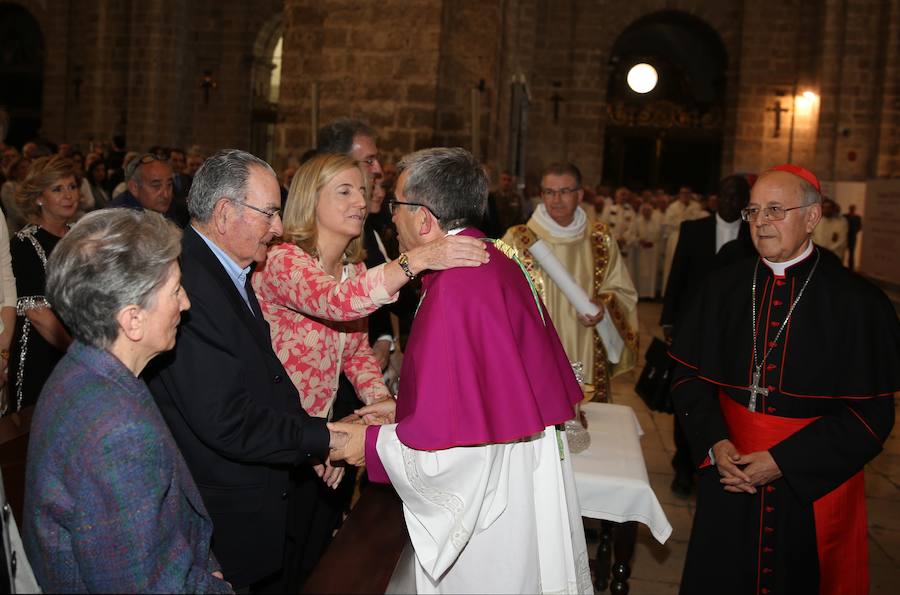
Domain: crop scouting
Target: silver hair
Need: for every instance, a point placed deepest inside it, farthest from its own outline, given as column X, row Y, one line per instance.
column 808, row 193
column 223, row 175
column 451, row 182
column 110, row 259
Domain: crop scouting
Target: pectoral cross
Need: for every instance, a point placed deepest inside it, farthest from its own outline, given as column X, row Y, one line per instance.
column 756, row 389
column 778, row 111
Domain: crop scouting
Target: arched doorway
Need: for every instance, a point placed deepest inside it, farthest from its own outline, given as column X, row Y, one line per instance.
column 266, row 82
column 670, row 136
column 21, row 72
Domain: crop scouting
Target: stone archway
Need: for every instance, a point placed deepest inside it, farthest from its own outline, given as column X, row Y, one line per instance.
column 671, row 136
column 22, row 52
column 266, row 87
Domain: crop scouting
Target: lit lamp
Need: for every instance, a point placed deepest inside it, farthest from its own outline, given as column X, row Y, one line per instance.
column 642, row 78
column 805, row 101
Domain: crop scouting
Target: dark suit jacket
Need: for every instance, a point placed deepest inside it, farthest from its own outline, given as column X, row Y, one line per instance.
column 695, row 258
column 235, row 415
column 380, row 319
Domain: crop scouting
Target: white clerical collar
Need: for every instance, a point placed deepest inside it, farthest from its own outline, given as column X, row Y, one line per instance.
column 780, row 267
column 455, row 231
column 573, row 230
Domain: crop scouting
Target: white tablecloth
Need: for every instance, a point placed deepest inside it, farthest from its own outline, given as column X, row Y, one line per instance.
column 611, row 476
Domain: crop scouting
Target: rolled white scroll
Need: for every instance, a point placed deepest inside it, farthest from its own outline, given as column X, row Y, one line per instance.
column 579, row 299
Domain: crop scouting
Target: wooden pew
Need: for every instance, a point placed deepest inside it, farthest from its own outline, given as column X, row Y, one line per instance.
column 364, row 553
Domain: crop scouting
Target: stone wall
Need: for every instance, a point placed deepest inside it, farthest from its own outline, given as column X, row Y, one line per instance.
column 135, row 68
column 409, row 68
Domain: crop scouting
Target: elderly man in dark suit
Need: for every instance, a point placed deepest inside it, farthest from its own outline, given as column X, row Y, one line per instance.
column 703, row 246
column 231, row 406
column 110, row 505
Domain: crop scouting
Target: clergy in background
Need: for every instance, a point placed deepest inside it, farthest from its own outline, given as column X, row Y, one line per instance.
column 590, row 254
column 648, row 233
column 788, row 366
column 484, row 474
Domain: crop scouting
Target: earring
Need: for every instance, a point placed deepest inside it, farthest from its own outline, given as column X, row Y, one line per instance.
column 40, row 204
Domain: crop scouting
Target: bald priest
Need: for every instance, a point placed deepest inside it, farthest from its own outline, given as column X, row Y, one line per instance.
column 788, row 367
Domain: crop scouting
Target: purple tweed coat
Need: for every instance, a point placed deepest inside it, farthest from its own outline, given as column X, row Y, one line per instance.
column 110, row 505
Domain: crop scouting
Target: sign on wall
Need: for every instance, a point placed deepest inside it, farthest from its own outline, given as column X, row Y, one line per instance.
column 880, row 255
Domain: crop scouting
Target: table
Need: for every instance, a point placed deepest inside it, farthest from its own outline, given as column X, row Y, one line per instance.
column 612, row 483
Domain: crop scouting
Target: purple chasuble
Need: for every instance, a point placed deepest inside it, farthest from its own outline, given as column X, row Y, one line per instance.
column 481, row 367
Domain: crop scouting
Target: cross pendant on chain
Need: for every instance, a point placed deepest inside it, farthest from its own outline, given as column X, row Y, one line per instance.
column 756, row 389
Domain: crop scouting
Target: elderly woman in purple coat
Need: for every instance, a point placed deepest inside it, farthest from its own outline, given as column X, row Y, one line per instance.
column 109, row 503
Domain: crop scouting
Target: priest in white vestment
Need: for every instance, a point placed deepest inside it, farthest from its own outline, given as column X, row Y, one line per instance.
column 484, row 474
column 648, row 233
column 590, row 254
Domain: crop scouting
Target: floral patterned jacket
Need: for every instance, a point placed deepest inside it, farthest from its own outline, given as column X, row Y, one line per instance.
column 319, row 324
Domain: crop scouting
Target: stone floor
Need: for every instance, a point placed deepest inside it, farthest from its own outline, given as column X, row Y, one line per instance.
column 657, row 568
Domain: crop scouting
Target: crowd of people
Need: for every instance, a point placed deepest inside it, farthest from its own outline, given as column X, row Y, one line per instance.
column 213, row 349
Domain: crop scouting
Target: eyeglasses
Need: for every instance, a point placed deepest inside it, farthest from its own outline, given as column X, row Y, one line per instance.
column 392, row 204
column 139, row 161
column 553, row 193
column 773, row 213
column 268, row 214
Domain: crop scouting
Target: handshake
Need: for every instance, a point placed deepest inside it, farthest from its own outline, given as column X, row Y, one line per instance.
column 348, row 436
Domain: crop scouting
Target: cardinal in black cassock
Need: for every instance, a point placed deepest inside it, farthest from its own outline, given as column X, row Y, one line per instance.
column 787, row 370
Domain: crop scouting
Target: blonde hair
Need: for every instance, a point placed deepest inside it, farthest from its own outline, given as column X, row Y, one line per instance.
column 43, row 173
column 300, row 212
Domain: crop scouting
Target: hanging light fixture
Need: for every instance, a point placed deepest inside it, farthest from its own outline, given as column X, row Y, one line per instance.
column 642, row 78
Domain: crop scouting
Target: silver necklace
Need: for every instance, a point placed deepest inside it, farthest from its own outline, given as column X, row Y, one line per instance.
column 755, row 389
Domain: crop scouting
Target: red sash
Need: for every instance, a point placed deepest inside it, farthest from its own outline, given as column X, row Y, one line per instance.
column 840, row 515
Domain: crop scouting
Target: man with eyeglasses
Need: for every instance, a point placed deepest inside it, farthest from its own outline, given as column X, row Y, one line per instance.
column 487, row 489
column 589, row 252
column 787, row 366
column 225, row 395
column 150, row 186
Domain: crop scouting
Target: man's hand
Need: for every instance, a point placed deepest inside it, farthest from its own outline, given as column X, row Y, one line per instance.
column 378, row 413
column 591, row 321
column 354, row 449
column 337, row 439
column 382, row 351
column 351, row 419
column 761, row 468
column 727, row 461
column 330, row 474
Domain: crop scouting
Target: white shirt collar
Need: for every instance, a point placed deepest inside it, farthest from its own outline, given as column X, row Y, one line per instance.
column 780, row 267
column 725, row 231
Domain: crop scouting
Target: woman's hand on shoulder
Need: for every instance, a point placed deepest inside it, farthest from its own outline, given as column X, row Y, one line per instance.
column 448, row 252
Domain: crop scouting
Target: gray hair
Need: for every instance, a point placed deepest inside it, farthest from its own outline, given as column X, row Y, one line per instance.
column 223, row 175
column 451, row 182
column 808, row 193
column 110, row 259
column 337, row 136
